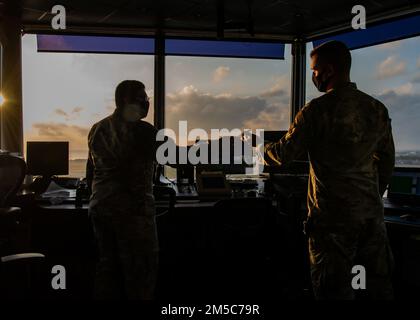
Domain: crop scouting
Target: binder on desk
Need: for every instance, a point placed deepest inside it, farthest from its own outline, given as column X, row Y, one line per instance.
column 56, row 194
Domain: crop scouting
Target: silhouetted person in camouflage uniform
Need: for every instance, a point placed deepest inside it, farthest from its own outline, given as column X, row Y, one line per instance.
column 120, row 174
column 347, row 135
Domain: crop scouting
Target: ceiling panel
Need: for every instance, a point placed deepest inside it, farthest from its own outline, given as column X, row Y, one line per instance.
column 241, row 18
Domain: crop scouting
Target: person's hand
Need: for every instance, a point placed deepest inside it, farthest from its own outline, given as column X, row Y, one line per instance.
column 249, row 138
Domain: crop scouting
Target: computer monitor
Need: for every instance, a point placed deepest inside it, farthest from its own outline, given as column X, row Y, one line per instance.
column 405, row 184
column 236, row 163
column 212, row 183
column 185, row 174
column 47, row 158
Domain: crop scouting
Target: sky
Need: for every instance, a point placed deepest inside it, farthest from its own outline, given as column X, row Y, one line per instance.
column 64, row 94
column 216, row 93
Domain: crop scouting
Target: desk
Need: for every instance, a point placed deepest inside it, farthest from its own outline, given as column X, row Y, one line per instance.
column 404, row 237
column 393, row 213
column 186, row 239
column 66, row 207
column 64, row 234
column 390, row 219
column 184, row 245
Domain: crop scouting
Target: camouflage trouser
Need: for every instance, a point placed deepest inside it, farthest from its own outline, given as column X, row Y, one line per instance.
column 333, row 252
column 128, row 254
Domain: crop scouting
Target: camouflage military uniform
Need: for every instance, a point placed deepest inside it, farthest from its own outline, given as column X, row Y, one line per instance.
column 348, row 137
column 120, row 168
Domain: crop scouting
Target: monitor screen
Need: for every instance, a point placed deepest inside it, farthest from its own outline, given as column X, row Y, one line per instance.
column 47, row 158
column 405, row 182
column 235, row 163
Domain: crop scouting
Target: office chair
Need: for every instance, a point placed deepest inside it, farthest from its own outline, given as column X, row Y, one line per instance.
column 240, row 241
column 16, row 269
column 12, row 173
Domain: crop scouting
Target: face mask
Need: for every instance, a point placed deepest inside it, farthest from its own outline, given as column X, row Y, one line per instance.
column 320, row 84
column 134, row 112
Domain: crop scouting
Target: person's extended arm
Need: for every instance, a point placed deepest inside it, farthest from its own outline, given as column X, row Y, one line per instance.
column 89, row 173
column 292, row 146
column 385, row 156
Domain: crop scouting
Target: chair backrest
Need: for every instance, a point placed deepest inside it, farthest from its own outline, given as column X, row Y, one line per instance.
column 12, row 174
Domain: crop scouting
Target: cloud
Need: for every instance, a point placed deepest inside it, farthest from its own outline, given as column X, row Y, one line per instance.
column 416, row 78
column 57, row 131
column 404, row 110
column 390, row 67
column 207, row 111
column 403, row 89
column 220, row 74
column 60, row 112
column 281, row 87
column 72, row 115
column 406, row 88
column 418, row 62
column 274, row 117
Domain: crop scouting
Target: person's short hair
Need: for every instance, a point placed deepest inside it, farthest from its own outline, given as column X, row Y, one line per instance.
column 127, row 88
column 335, row 53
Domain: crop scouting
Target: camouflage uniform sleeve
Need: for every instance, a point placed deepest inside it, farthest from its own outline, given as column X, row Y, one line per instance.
column 293, row 145
column 99, row 151
column 385, row 156
column 89, row 173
